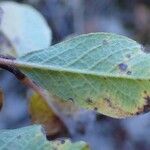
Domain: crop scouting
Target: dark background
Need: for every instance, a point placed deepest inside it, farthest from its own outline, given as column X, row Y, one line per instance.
column 72, row 17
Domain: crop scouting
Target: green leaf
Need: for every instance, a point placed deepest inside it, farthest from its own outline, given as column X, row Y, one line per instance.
column 32, row 138
column 24, row 27
column 101, row 71
column 24, row 138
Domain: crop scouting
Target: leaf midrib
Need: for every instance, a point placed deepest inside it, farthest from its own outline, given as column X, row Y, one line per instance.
column 32, row 65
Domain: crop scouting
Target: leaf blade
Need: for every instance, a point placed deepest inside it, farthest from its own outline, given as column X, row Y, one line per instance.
column 25, row 28
column 32, row 138
column 103, row 67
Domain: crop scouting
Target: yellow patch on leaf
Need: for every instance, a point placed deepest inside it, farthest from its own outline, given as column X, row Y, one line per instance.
column 41, row 113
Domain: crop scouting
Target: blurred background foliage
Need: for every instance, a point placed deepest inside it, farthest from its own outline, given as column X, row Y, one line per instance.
column 72, row 17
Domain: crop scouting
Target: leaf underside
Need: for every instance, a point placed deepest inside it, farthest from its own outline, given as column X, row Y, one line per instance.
column 101, row 71
column 25, row 28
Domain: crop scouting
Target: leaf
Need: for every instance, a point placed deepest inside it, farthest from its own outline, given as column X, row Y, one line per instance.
column 67, row 145
column 32, row 138
column 101, row 71
column 41, row 113
column 24, row 138
column 25, row 28
column 5, row 46
column 1, row 99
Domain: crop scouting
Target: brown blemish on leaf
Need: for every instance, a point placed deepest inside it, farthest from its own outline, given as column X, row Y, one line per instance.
column 146, row 107
column 89, row 100
column 108, row 107
column 108, row 102
column 71, row 99
column 145, row 92
column 95, row 108
column 128, row 56
column 62, row 141
column 116, row 108
column 129, row 72
column 123, row 66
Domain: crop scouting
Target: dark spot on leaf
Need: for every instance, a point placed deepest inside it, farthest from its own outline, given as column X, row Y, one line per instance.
column 89, row 100
column 147, row 106
column 123, row 67
column 128, row 56
column 112, row 105
column 105, row 42
column 138, row 113
column 95, row 108
column 19, row 137
column 145, row 92
column 129, row 72
column 62, row 141
column 71, row 99
column 108, row 102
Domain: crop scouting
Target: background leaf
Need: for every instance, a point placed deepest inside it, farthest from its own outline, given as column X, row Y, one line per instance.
column 25, row 28
column 101, row 71
column 24, row 138
column 41, row 113
column 32, row 138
